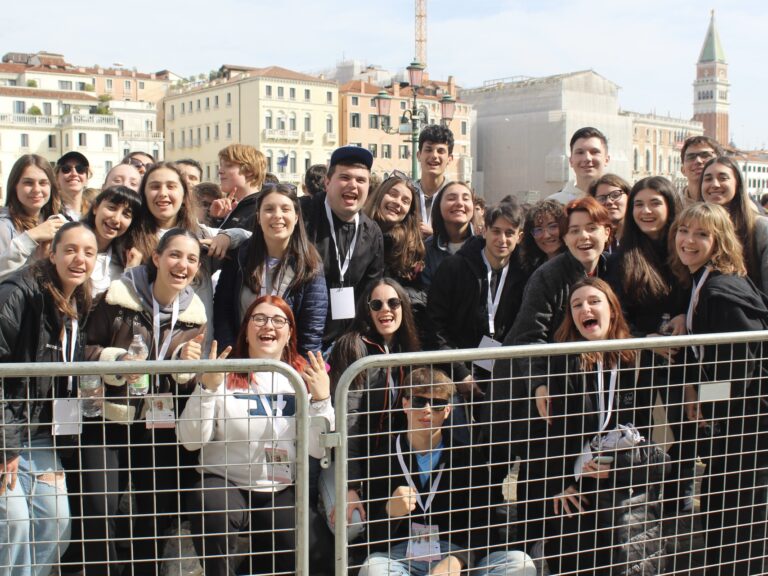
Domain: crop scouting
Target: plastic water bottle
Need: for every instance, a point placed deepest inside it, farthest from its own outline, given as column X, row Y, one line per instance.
column 90, row 390
column 665, row 329
column 138, row 351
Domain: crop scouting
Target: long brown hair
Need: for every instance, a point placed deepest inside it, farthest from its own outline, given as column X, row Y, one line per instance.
column 290, row 354
column 21, row 220
column 404, row 253
column 145, row 233
column 618, row 329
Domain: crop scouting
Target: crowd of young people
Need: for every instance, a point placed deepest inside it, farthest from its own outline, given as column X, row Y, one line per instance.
column 163, row 266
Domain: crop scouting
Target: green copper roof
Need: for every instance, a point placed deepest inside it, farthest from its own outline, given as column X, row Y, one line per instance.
column 712, row 50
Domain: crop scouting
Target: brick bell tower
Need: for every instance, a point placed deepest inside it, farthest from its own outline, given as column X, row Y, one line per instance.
column 710, row 90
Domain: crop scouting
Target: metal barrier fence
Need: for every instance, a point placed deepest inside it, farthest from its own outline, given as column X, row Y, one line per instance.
column 130, row 498
column 682, row 490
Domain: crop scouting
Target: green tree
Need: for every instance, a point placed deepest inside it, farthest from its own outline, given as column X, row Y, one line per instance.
column 34, row 111
column 31, row 83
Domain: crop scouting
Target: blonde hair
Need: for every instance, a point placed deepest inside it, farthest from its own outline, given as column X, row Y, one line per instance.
column 727, row 254
column 253, row 164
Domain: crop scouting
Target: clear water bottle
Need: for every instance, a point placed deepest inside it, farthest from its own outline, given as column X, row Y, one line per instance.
column 91, row 392
column 665, row 328
column 138, row 351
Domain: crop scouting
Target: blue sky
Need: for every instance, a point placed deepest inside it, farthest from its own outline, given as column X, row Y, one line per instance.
column 648, row 48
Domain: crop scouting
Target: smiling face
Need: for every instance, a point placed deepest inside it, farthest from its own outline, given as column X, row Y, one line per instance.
column 395, row 203
column 617, row 207
column 231, row 177
column 277, row 218
column 267, row 341
column 501, row 239
column 33, row 190
column 588, row 159
column 546, row 234
column 386, row 321
column 123, row 175
column 696, row 156
column 456, row 205
column 177, row 264
column 74, row 258
column 694, row 244
column 347, row 190
column 718, row 184
column 434, row 158
column 111, row 220
column 650, row 212
column 586, row 239
column 164, row 192
column 591, row 313
column 72, row 183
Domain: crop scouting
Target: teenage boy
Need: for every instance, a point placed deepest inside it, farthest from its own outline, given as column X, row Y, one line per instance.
column 429, row 497
column 589, row 157
column 241, row 174
column 434, row 155
column 350, row 244
column 696, row 152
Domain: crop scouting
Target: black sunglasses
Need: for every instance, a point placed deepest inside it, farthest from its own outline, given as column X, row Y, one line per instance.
column 138, row 164
column 421, row 402
column 79, row 168
column 392, row 303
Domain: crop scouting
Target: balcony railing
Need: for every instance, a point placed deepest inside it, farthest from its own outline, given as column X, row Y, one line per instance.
column 28, row 119
column 280, row 134
column 141, row 135
column 330, row 137
column 89, row 120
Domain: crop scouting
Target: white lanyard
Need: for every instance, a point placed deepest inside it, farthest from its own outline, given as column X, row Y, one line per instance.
column 390, row 382
column 432, row 489
column 493, row 303
column 161, row 351
column 605, row 412
column 342, row 267
column 698, row 352
column 426, row 215
column 72, row 346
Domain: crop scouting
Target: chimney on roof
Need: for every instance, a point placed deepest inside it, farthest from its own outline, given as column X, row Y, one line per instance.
column 396, row 89
column 452, row 86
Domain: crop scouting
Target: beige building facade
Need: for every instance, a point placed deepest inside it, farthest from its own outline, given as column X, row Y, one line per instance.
column 292, row 118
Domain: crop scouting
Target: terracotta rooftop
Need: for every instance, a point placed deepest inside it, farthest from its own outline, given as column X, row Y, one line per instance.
column 51, row 94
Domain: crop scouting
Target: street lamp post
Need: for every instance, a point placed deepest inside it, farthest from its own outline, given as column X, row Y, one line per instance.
column 417, row 117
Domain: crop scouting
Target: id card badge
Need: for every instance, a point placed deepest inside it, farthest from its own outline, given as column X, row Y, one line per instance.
column 487, row 342
column 278, row 465
column 66, row 417
column 424, row 543
column 160, row 411
column 714, row 391
column 342, row 303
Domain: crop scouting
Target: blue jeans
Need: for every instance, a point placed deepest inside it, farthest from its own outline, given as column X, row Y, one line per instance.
column 327, row 490
column 34, row 516
column 394, row 563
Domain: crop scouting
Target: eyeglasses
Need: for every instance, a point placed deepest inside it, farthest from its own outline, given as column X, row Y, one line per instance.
column 704, row 155
column 277, row 321
column 552, row 229
column 421, row 402
column 611, row 196
column 392, row 304
column 79, row 168
column 138, row 164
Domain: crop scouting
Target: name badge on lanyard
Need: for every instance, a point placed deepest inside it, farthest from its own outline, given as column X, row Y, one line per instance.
column 66, row 411
column 424, row 539
column 342, row 299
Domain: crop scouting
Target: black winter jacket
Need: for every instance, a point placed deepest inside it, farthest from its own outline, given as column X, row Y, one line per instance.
column 458, row 301
column 366, row 265
column 30, row 329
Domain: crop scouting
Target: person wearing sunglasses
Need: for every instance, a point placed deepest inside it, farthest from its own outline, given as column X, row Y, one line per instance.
column 541, row 234
column 72, row 173
column 428, row 496
column 142, row 161
column 30, row 218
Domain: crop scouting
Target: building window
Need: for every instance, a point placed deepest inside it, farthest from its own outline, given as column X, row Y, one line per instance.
column 19, row 107
column 191, row 140
column 229, row 98
column 207, row 103
column 199, row 130
column 386, row 122
column 173, row 112
column 329, row 97
column 207, row 133
column 81, row 86
column 648, row 160
column 292, row 163
column 25, row 140
column 107, row 165
column 65, row 85
column 173, row 140
column 268, row 120
column 402, row 105
column 354, row 120
column 373, row 149
column 183, row 139
column 51, row 141
column 141, row 85
column 373, row 121
column 307, row 95
column 269, row 161
column 307, row 161
column 216, row 101
column 127, row 85
column 386, row 151
column 403, row 152
column 109, row 84
column 281, row 122
column 107, row 140
column 216, row 132
column 292, row 93
column 82, row 139
column 292, row 122
column 636, row 161
column 280, row 92
column 182, row 107
column 464, row 128
column 373, row 102
column 229, row 129
column 329, row 124
column 268, row 91
column 307, row 122
column 198, row 104
column 47, row 108
column 355, row 100
column 282, row 161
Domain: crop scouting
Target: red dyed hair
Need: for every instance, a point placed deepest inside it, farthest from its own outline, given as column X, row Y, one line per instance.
column 290, row 355
column 596, row 211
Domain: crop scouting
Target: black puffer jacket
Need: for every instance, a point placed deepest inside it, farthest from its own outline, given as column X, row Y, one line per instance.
column 458, row 301
column 30, row 329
